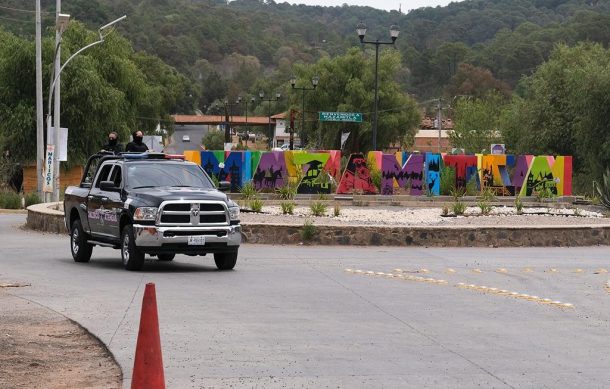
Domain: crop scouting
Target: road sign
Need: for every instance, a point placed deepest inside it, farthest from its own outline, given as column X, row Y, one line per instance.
column 341, row 117
column 47, row 185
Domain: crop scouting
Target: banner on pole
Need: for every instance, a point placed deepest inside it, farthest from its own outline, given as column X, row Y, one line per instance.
column 344, row 136
column 47, row 185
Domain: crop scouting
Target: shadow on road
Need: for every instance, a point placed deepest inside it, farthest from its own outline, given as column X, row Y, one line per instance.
column 150, row 265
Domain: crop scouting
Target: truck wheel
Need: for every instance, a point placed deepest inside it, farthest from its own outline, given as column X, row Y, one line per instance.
column 81, row 250
column 133, row 258
column 166, row 257
column 225, row 261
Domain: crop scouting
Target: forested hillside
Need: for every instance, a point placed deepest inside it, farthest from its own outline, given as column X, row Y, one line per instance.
column 224, row 48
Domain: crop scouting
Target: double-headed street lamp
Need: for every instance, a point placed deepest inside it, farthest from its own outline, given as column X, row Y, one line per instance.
column 261, row 94
column 252, row 100
column 314, row 83
column 62, row 21
column 361, row 30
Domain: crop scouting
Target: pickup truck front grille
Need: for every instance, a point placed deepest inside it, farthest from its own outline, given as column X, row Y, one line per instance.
column 193, row 213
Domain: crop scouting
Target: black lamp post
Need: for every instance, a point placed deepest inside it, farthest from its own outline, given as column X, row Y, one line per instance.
column 239, row 100
column 277, row 97
column 361, row 30
column 314, row 83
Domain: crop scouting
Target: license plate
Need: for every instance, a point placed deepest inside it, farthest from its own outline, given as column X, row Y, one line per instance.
column 198, row 240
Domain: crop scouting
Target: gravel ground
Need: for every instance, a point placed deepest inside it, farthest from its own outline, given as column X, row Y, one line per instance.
column 394, row 216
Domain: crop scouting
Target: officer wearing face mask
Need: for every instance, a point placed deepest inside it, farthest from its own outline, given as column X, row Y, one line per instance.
column 113, row 144
column 137, row 145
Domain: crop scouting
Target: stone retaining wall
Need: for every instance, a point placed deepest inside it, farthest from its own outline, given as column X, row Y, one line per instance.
column 44, row 217
column 432, row 236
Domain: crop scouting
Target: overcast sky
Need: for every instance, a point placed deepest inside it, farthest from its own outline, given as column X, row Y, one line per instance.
column 381, row 4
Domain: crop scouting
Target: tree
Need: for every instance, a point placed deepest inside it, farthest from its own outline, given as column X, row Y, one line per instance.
column 476, row 82
column 214, row 140
column 347, row 85
column 564, row 110
column 476, row 123
column 108, row 87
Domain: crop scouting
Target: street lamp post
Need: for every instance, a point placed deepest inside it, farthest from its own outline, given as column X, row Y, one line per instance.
column 252, row 100
column 61, row 25
column 361, row 30
column 261, row 94
column 314, row 83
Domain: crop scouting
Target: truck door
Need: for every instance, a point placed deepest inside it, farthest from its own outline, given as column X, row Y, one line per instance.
column 97, row 201
column 114, row 204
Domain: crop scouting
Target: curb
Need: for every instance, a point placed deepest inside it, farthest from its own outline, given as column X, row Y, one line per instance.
column 46, row 218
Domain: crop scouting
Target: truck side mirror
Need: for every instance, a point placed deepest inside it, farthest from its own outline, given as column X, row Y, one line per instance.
column 108, row 186
column 224, row 186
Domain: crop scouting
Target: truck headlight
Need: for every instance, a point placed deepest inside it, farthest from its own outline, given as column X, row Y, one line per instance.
column 145, row 213
column 234, row 213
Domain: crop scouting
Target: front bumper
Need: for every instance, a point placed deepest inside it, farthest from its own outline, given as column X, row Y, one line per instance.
column 154, row 239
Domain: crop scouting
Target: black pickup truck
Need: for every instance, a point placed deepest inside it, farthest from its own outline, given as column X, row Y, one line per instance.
column 154, row 204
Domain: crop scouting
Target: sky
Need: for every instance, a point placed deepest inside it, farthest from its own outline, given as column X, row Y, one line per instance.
column 381, row 4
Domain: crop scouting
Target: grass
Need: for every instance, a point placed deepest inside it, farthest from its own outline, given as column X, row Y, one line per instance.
column 318, row 208
column 485, row 207
column 519, row 205
column 337, row 210
column 287, row 192
column 248, row 191
column 309, row 231
column 10, row 200
column 256, row 205
column 287, row 207
column 447, row 182
column 459, row 208
column 31, row 199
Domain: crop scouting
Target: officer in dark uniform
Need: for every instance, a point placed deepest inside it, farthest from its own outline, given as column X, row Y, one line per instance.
column 137, row 145
column 113, row 144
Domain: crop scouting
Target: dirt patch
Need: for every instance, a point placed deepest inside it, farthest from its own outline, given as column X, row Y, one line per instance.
column 40, row 348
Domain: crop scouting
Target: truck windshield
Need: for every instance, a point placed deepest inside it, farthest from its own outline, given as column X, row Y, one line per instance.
column 151, row 175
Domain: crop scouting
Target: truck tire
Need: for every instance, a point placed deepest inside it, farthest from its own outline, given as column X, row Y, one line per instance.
column 225, row 261
column 166, row 257
column 133, row 258
column 81, row 250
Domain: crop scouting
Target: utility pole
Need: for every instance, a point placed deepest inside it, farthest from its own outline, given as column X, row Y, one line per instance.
column 57, row 104
column 39, row 114
column 439, row 118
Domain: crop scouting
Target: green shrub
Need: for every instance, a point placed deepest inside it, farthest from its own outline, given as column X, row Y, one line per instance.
column 31, row 199
column 10, row 200
column 519, row 205
column 322, row 196
column 457, row 193
column 445, row 210
column 375, row 174
column 447, row 182
column 318, row 208
column 471, row 186
column 337, row 210
column 309, row 231
column 287, row 192
column 487, row 194
column 287, row 207
column 248, row 191
column 459, row 208
column 544, row 193
column 256, row 205
column 485, row 207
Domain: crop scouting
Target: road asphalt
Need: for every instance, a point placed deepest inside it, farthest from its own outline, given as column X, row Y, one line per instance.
column 292, row 316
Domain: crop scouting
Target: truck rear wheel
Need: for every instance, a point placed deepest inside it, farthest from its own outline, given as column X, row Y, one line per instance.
column 81, row 250
column 225, row 261
column 133, row 258
column 166, row 257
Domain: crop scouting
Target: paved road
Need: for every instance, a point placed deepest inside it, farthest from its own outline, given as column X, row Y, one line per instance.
column 291, row 316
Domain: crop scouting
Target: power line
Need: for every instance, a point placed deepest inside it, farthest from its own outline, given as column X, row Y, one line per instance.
column 17, row 20
column 21, row 10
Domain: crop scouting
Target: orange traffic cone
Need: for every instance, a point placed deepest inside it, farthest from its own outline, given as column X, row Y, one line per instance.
column 148, row 364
